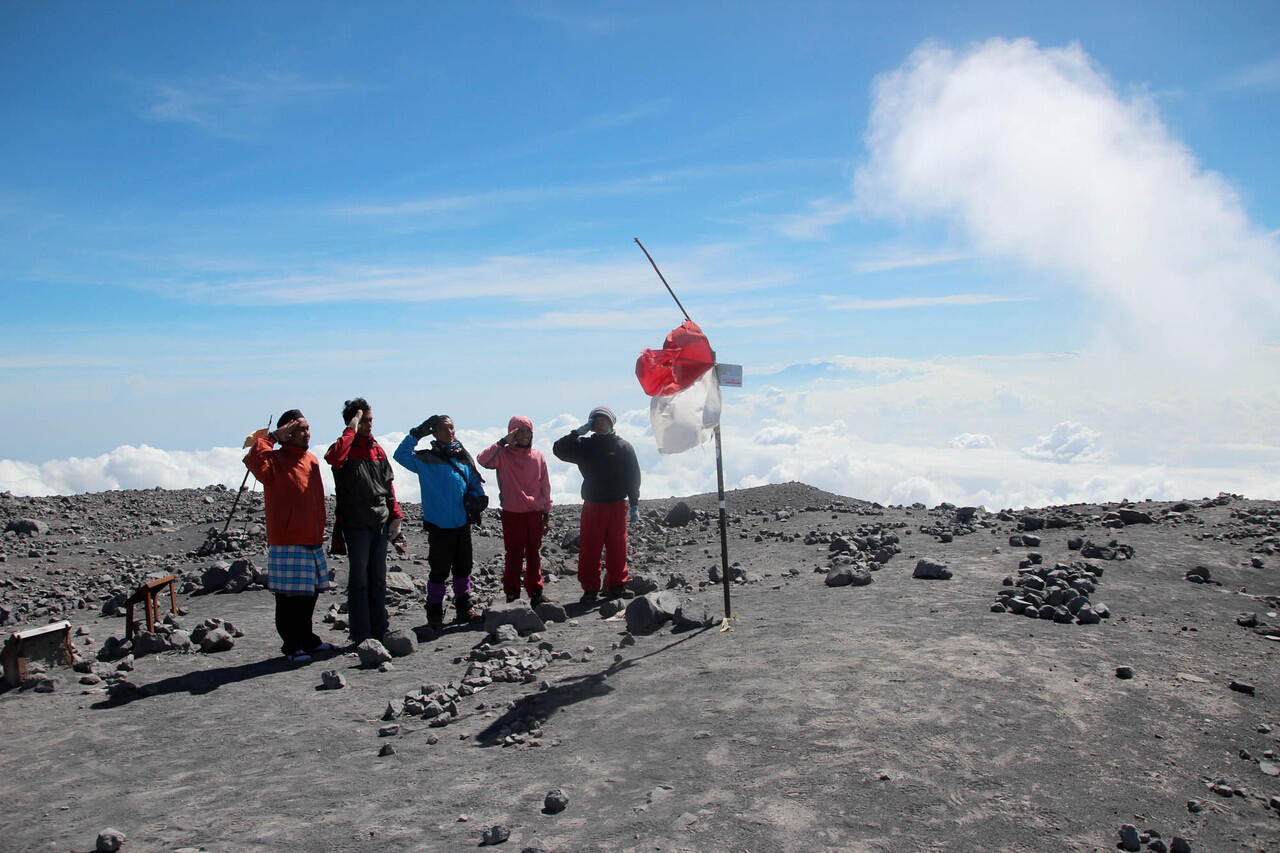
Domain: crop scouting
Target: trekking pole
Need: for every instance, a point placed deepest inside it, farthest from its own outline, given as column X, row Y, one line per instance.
column 232, row 514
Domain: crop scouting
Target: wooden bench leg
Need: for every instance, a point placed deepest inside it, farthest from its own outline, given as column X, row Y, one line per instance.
column 173, row 600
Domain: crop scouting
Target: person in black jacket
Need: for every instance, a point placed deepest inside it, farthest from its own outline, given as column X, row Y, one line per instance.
column 368, row 515
column 610, row 478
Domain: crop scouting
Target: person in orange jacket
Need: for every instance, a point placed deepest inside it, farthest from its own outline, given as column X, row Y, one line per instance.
column 294, row 496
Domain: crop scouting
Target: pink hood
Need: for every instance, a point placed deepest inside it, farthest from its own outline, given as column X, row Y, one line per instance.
column 523, row 484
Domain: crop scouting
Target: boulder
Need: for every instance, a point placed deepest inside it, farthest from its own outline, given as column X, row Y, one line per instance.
column 514, row 613
column 217, row 640
column 679, row 515
column 930, row 570
column 1133, row 516
column 27, row 527
column 215, row 577
column 647, row 613
column 372, row 654
column 400, row 643
column 401, row 583
column 692, row 613
column 551, row 611
column 239, row 575
column 840, row 576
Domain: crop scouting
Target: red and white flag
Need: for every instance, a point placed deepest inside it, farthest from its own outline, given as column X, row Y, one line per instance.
column 681, row 379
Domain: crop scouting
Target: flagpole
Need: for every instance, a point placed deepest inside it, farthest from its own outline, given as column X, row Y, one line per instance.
column 724, row 523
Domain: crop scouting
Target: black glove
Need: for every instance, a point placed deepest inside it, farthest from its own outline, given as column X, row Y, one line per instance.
column 420, row 430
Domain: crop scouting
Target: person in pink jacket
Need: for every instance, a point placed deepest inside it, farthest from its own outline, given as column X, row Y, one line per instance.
column 525, row 495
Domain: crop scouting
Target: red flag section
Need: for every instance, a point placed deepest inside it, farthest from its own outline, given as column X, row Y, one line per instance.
column 685, row 356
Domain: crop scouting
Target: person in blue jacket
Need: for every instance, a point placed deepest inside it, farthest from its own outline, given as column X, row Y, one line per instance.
column 446, row 472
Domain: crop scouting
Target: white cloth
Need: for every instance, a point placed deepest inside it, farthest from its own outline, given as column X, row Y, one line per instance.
column 683, row 420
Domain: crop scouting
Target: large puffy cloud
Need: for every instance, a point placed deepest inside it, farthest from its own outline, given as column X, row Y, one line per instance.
column 1036, row 156
column 827, row 454
column 1067, row 442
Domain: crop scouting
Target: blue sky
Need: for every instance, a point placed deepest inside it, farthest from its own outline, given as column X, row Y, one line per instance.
column 1050, row 225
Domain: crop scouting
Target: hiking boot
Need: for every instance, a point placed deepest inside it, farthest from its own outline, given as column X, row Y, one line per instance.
column 615, row 592
column 511, row 598
column 465, row 613
column 588, row 597
column 435, row 615
column 536, row 599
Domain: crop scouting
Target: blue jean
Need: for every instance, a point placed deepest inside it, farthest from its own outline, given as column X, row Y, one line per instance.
column 366, row 581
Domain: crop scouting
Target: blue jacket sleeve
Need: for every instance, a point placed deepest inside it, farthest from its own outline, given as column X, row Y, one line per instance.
column 474, row 482
column 404, row 454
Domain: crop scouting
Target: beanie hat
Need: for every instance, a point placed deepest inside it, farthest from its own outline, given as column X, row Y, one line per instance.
column 603, row 410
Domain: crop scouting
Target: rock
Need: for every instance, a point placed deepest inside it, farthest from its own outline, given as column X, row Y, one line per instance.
column 1124, row 672
column 1200, row 574
column 649, row 612
column 514, row 613
column 400, row 643
column 217, row 640
column 930, row 570
column 1178, row 844
column 109, row 841
column 675, row 580
column 389, row 730
column 1129, row 837
column 239, row 576
column 965, row 514
column 425, row 633
column 639, row 584
column 551, row 611
column 1242, row 687
column 692, row 613
column 496, row 834
column 331, row 679
column 555, row 801
column 1031, row 522
column 610, row 607
column 840, row 576
column 387, row 749
column 1247, row 620
column 215, row 577
column 679, row 515
column 372, row 653
column 1031, row 541
column 1133, row 516
column 27, row 527
column 401, row 583
column 506, row 634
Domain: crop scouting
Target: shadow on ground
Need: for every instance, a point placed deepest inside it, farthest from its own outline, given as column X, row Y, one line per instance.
column 569, row 692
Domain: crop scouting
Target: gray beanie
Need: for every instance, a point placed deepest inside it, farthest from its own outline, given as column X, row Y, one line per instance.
column 603, row 410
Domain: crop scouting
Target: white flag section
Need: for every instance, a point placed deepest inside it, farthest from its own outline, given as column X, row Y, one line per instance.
column 683, row 420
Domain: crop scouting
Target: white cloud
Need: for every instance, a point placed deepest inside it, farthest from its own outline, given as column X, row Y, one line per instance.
column 778, row 434
column 972, row 440
column 1036, row 156
column 917, row 302
column 228, row 104
column 1067, row 442
column 1263, row 76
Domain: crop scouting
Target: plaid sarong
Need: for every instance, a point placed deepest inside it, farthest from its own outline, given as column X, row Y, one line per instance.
column 296, row 569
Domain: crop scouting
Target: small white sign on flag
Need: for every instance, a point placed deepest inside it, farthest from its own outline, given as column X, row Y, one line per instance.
column 730, row 375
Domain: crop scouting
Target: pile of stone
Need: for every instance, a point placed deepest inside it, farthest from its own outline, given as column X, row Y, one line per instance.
column 232, row 541
column 490, row 664
column 171, row 635
column 236, row 576
column 954, row 521
column 1060, row 593
column 435, row 703
column 1113, row 550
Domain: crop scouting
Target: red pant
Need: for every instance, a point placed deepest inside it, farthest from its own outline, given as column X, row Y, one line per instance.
column 603, row 524
column 522, row 536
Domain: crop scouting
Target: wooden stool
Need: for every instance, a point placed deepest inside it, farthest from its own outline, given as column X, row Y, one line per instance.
column 147, row 595
column 49, row 644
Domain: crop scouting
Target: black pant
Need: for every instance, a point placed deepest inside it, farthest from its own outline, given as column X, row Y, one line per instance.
column 293, row 622
column 449, row 552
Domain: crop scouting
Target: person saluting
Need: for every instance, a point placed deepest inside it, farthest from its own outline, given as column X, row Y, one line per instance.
column 610, row 478
column 449, row 480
